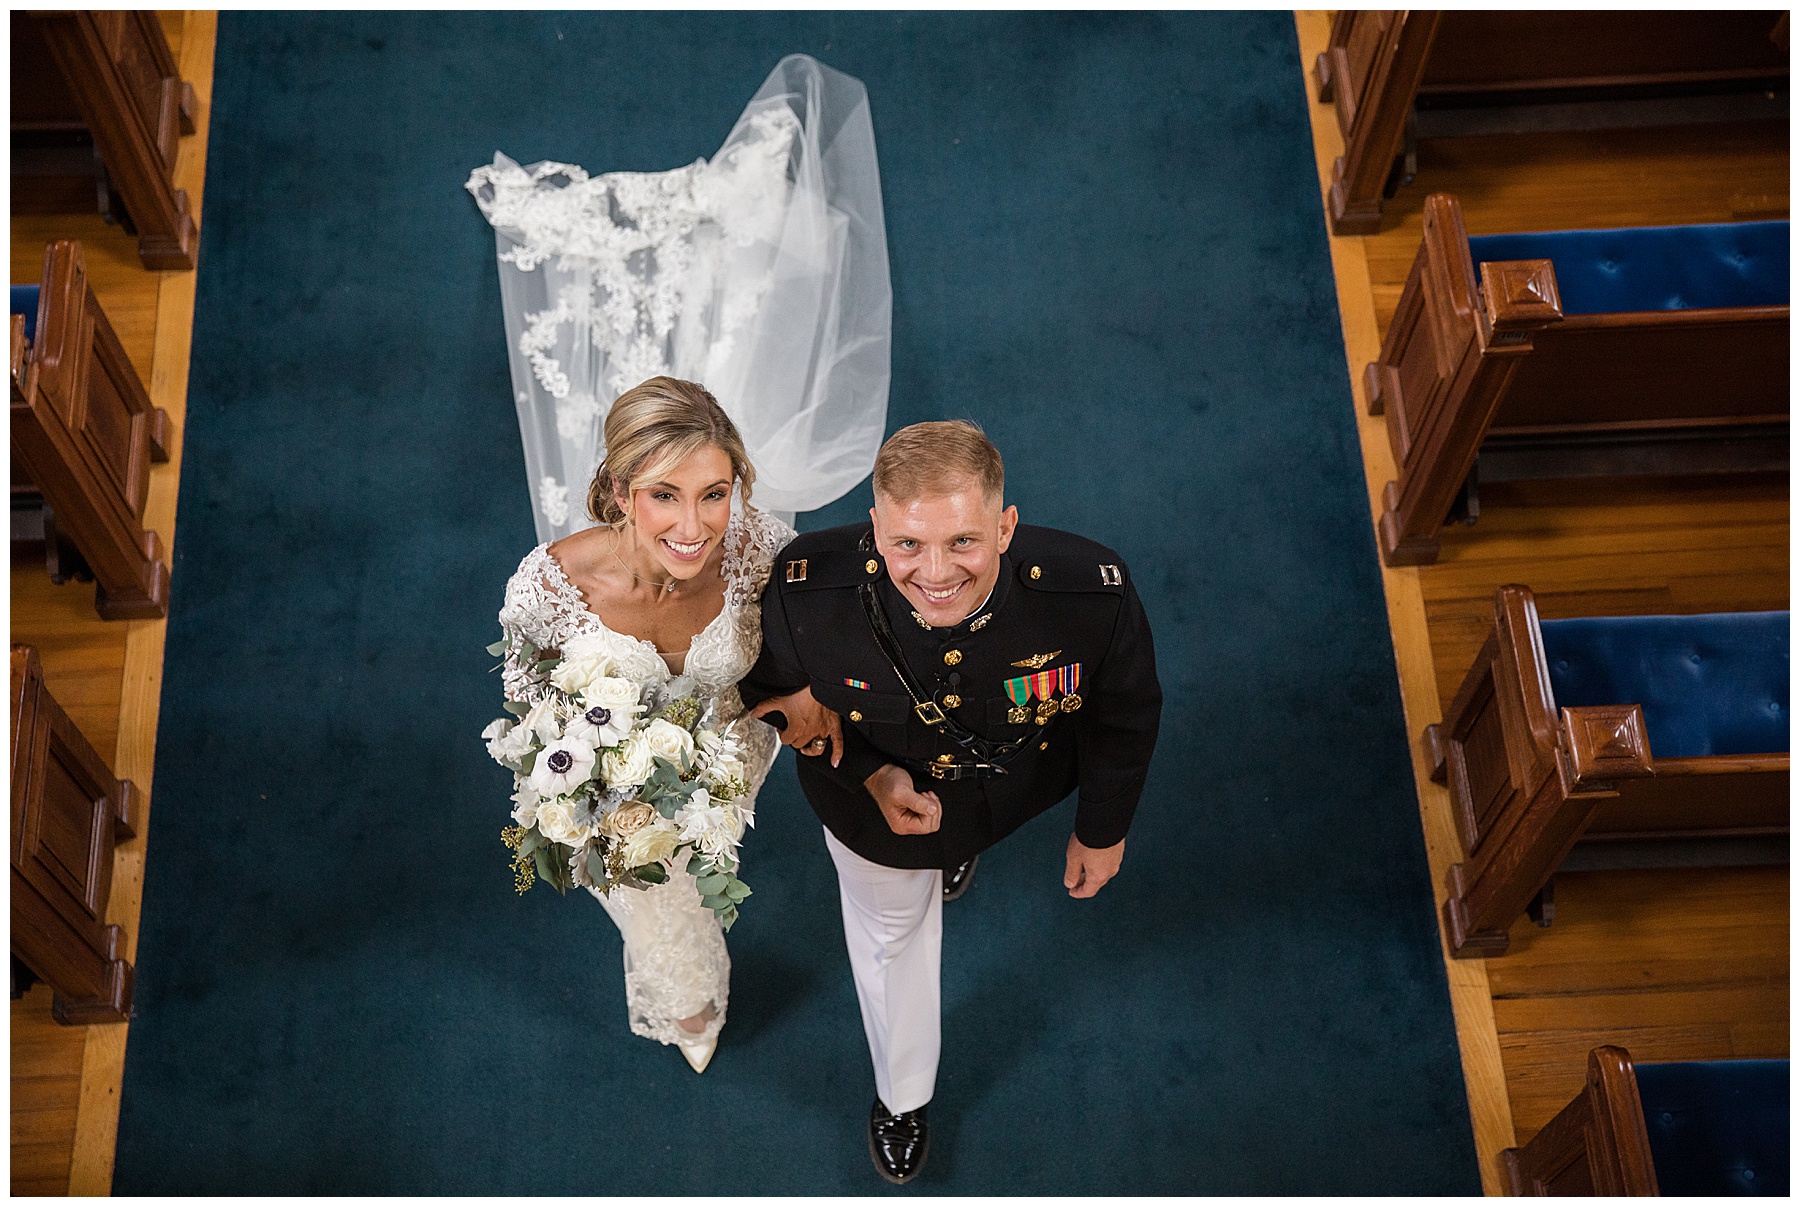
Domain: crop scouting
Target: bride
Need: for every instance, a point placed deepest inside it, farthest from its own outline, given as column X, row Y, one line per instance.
column 669, row 582
column 762, row 272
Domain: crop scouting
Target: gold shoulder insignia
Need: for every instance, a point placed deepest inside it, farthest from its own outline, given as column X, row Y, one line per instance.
column 1036, row 660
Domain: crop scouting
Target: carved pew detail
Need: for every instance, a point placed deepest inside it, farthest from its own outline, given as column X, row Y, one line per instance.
column 1685, row 1128
column 112, row 72
column 1495, row 352
column 85, row 433
column 68, row 812
column 1380, row 63
column 1528, row 779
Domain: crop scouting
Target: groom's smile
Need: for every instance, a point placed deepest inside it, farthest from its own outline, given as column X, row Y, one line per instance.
column 943, row 549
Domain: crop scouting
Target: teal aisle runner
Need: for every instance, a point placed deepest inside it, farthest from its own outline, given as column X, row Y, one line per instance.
column 1107, row 248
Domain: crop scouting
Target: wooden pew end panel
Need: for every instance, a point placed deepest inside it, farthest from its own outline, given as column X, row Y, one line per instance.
column 1597, row 1145
column 69, row 812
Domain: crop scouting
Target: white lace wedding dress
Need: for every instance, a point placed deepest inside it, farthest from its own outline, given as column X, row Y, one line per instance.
column 676, row 965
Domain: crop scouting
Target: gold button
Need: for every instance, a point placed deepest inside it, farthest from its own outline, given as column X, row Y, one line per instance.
column 871, row 565
column 1037, row 572
column 946, row 758
column 952, row 701
column 855, row 716
column 952, row 657
column 1043, row 745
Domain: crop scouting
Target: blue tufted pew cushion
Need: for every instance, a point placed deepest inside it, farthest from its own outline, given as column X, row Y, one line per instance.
column 25, row 302
column 1717, row 1127
column 1656, row 267
column 1711, row 684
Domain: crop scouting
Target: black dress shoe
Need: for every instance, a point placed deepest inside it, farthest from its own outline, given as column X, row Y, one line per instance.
column 956, row 882
column 898, row 1143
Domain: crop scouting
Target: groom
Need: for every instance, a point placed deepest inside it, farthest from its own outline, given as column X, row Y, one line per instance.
column 986, row 670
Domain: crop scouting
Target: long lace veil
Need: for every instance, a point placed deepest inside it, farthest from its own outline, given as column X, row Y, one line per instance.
column 762, row 274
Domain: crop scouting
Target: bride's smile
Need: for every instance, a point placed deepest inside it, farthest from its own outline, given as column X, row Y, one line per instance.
column 678, row 519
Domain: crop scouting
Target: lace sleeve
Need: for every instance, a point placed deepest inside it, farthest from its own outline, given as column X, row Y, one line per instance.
column 760, row 536
column 526, row 617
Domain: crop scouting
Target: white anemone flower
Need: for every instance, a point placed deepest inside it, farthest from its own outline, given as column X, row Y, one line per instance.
column 600, row 726
column 563, row 766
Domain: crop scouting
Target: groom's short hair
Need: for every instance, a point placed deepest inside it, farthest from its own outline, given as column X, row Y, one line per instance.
column 936, row 459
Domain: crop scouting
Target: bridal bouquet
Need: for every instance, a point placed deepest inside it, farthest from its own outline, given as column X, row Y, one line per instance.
column 614, row 782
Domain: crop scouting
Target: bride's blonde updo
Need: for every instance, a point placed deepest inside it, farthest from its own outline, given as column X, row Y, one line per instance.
column 651, row 429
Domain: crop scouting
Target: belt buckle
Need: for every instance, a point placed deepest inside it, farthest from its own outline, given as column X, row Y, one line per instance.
column 929, row 712
column 939, row 771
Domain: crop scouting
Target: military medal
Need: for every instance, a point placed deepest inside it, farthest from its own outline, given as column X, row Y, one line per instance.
column 1019, row 692
column 1054, row 689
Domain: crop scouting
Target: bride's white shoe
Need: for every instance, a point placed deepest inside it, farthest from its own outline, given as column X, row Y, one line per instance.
column 699, row 1053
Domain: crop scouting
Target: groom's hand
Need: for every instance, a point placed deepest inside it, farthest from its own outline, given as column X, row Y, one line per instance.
column 812, row 728
column 907, row 811
column 1091, row 867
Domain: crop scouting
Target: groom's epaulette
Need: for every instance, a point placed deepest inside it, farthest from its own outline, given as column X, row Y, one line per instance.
column 826, row 568
column 1064, row 573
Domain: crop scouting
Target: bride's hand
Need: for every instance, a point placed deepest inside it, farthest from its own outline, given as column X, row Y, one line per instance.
column 812, row 729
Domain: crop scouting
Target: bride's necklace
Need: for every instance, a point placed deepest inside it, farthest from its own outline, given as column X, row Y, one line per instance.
column 669, row 586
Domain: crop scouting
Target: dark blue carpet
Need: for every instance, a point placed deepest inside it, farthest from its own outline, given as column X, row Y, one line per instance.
column 1107, row 247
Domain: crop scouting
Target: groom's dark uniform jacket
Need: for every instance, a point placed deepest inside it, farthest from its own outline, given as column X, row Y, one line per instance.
column 1060, row 654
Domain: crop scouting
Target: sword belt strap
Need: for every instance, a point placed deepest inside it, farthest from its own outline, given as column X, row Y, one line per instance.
column 990, row 756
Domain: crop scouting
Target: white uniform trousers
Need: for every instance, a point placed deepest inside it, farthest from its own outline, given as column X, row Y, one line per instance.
column 894, row 930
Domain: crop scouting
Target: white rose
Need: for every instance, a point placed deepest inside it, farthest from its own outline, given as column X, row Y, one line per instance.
column 628, row 764
column 669, row 741
column 560, row 821
column 583, row 661
column 563, row 766
column 650, row 844
column 628, row 819
column 525, row 804
column 542, row 721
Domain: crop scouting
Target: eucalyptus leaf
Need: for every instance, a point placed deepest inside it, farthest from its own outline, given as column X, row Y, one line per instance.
column 546, row 665
column 713, row 885
column 727, row 917
column 515, row 708
column 498, row 648
column 737, row 890
column 696, row 865
column 540, row 859
column 527, row 652
column 596, row 867
column 652, row 873
column 528, row 762
column 716, row 902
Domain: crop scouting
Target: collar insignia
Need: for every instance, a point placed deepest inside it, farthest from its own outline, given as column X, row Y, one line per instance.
column 980, row 622
column 1036, row 660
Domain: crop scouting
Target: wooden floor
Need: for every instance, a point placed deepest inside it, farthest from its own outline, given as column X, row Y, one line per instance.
column 1670, row 964
column 108, row 676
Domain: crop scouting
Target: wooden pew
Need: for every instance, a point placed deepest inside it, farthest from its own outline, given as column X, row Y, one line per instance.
column 1547, row 743
column 1685, row 1128
column 104, row 80
column 1627, row 358
column 1382, row 64
column 84, row 434
column 68, row 812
